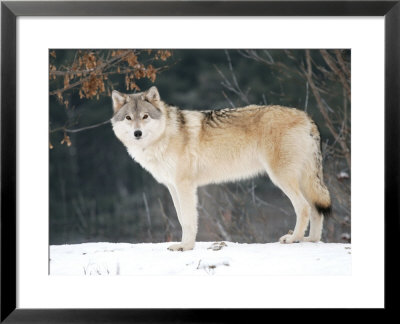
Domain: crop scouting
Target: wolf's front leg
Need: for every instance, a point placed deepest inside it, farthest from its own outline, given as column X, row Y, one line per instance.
column 187, row 201
column 175, row 200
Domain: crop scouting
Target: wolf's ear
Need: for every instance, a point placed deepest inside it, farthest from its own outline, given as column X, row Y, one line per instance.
column 152, row 94
column 118, row 99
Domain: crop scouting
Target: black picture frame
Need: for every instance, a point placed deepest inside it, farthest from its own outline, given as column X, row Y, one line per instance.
column 11, row 10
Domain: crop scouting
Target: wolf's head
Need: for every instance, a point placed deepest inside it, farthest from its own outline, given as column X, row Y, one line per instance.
column 138, row 118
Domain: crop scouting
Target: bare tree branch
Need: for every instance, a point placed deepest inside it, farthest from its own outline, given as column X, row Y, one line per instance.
column 329, row 60
column 76, row 130
column 342, row 64
column 323, row 111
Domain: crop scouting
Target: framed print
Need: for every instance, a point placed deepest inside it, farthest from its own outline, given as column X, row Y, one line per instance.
column 220, row 76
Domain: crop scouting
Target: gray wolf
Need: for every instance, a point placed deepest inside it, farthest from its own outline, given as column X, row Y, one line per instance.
column 185, row 149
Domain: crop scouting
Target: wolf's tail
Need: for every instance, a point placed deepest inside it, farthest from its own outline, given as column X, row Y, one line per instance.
column 318, row 192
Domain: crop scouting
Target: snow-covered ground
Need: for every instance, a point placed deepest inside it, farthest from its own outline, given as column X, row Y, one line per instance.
column 207, row 258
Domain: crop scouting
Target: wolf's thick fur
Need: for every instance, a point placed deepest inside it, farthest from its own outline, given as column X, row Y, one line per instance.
column 184, row 149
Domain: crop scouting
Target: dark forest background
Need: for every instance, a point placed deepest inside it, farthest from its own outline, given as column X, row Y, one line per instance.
column 98, row 193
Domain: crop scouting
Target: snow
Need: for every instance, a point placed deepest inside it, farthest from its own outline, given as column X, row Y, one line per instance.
column 207, row 258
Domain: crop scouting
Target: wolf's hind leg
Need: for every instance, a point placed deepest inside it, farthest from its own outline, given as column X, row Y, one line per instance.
column 315, row 226
column 187, row 200
column 302, row 209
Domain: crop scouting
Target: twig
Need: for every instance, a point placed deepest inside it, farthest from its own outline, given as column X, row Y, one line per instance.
column 342, row 63
column 164, row 215
column 146, row 206
column 328, row 59
column 227, row 99
column 233, row 85
column 76, row 130
column 306, row 103
column 264, row 99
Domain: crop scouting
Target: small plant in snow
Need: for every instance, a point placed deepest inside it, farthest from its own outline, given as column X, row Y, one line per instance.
column 217, row 246
column 96, row 270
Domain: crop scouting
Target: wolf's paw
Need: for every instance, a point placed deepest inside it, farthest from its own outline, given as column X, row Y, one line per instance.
column 181, row 247
column 288, row 238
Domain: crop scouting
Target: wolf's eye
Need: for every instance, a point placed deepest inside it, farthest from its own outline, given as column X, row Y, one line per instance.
column 145, row 116
column 128, row 117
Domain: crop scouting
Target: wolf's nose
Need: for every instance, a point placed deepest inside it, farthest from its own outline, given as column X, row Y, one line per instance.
column 137, row 133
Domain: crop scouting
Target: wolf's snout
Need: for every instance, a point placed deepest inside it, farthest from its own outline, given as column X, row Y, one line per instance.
column 137, row 134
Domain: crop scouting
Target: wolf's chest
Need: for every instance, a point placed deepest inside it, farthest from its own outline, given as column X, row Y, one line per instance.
column 161, row 167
